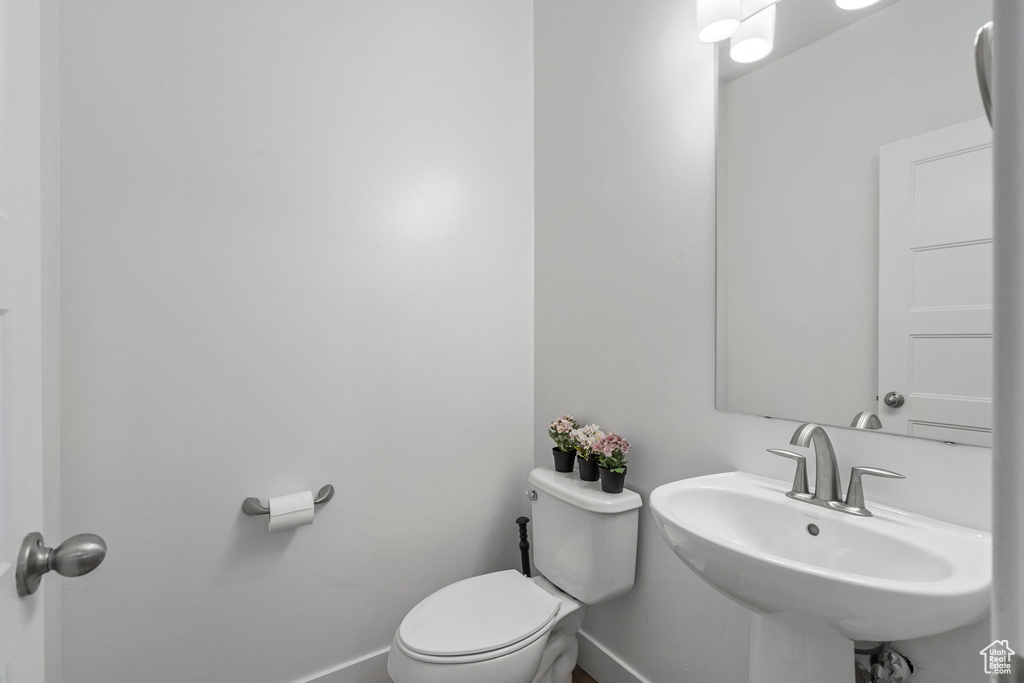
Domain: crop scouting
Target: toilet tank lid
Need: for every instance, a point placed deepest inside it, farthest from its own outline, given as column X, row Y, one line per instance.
column 583, row 494
column 478, row 614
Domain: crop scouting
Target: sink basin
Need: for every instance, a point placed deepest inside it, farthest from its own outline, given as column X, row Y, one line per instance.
column 893, row 576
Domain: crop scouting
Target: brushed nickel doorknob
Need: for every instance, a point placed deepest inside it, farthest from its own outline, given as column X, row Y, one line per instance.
column 74, row 557
column 894, row 399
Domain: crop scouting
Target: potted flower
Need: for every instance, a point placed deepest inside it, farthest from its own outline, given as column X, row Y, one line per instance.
column 583, row 440
column 612, row 450
column 560, row 432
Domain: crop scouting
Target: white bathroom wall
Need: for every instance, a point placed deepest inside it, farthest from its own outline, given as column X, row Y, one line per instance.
column 297, row 250
column 818, row 117
column 625, row 328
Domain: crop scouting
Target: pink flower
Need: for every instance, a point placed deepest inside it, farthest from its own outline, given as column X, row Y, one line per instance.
column 563, row 425
column 559, row 432
column 610, row 443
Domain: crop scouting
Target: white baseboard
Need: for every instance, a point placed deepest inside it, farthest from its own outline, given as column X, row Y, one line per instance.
column 603, row 664
column 371, row 668
column 600, row 662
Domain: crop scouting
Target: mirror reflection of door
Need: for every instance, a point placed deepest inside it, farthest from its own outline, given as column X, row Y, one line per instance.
column 935, row 283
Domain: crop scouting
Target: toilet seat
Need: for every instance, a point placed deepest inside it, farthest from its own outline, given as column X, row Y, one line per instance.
column 479, row 618
column 479, row 656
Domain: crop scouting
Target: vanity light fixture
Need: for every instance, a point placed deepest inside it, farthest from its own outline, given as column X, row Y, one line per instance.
column 717, row 19
column 854, row 4
column 755, row 37
column 749, row 23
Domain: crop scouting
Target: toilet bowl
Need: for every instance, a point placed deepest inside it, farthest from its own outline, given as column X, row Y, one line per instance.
column 499, row 628
column 506, row 628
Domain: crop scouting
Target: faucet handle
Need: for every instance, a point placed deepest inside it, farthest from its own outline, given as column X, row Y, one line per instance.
column 855, row 494
column 800, row 478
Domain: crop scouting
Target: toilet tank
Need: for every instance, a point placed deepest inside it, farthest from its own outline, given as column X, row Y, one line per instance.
column 584, row 540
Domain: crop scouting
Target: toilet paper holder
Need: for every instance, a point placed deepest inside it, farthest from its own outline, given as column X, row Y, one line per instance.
column 253, row 506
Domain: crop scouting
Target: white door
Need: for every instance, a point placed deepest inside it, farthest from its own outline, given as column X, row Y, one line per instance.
column 21, row 383
column 935, row 284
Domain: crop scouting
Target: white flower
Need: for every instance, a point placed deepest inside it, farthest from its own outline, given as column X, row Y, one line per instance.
column 587, row 436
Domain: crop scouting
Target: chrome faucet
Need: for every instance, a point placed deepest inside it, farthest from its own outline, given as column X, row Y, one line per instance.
column 865, row 419
column 827, row 487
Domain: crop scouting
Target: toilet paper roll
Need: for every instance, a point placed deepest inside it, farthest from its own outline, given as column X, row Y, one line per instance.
column 288, row 512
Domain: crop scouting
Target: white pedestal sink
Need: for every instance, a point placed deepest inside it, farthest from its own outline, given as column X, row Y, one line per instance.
column 818, row 579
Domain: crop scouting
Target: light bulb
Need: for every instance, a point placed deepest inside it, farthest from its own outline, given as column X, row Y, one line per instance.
column 755, row 37
column 717, row 19
column 854, row 4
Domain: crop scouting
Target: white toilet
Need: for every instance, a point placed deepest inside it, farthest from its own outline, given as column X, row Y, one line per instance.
column 506, row 628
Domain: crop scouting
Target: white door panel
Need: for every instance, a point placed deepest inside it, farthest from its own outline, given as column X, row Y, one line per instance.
column 935, row 283
column 21, row 428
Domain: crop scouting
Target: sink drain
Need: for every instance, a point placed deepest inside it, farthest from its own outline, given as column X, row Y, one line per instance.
column 813, row 529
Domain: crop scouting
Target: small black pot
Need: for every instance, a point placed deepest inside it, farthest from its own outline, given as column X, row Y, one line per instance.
column 612, row 482
column 563, row 461
column 588, row 468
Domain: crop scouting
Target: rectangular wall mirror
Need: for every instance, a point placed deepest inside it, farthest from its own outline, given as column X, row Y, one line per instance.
column 855, row 221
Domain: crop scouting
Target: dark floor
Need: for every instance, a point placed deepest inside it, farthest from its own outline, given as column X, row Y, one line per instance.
column 581, row 676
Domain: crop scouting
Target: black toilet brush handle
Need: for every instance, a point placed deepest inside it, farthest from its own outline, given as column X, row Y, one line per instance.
column 524, row 545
